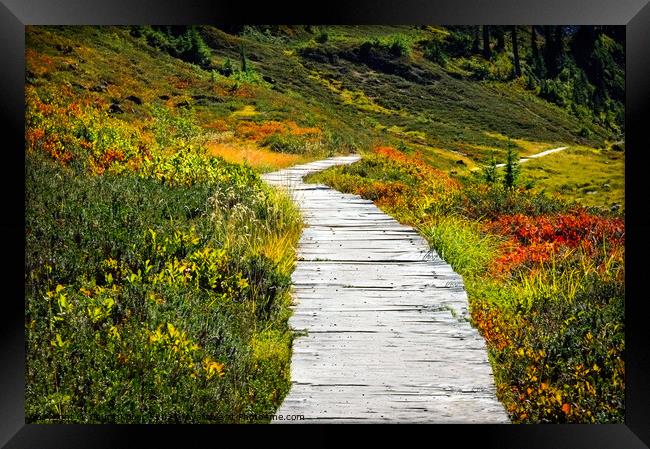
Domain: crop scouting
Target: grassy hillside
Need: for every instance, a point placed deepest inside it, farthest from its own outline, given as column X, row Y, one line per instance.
column 157, row 277
column 158, row 263
column 349, row 86
column 404, row 99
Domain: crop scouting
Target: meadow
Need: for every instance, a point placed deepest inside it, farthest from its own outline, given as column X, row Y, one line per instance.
column 157, row 276
column 594, row 177
column 158, row 264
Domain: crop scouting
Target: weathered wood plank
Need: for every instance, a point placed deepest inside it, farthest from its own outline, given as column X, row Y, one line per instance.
column 387, row 337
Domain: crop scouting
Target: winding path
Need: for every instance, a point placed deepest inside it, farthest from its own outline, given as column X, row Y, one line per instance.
column 385, row 332
column 536, row 155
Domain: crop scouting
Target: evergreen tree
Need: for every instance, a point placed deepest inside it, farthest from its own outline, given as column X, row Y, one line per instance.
column 197, row 52
column 500, row 34
column 553, row 49
column 512, row 168
column 490, row 173
column 558, row 48
column 533, row 43
column 515, row 52
column 548, row 51
column 242, row 56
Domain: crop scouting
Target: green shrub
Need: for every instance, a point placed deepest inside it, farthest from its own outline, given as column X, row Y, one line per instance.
column 366, row 47
column 143, row 291
column 479, row 70
column 269, row 34
column 502, row 67
column 531, row 81
column 483, row 201
column 434, row 52
column 226, row 68
column 458, row 44
column 618, row 146
column 555, row 91
column 174, row 128
column 245, row 74
column 404, row 148
column 179, row 41
column 322, row 37
column 397, row 46
column 249, row 76
column 584, row 132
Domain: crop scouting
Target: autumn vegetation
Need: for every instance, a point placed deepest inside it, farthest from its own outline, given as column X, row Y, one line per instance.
column 157, row 276
column 545, row 279
column 158, row 264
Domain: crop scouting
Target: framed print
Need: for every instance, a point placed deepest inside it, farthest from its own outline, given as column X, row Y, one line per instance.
column 368, row 213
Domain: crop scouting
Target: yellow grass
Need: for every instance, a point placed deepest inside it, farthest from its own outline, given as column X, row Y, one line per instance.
column 259, row 158
column 590, row 176
column 355, row 98
column 246, row 111
column 528, row 147
column 444, row 159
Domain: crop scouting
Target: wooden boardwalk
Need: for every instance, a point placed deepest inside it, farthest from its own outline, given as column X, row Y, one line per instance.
column 385, row 332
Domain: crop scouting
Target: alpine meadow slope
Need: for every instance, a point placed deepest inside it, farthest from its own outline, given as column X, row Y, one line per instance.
column 158, row 263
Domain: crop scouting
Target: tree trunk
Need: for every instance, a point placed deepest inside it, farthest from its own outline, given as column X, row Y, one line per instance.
column 477, row 40
column 501, row 39
column 515, row 51
column 549, row 52
column 548, row 37
column 533, row 43
column 486, row 42
column 538, row 58
column 558, row 46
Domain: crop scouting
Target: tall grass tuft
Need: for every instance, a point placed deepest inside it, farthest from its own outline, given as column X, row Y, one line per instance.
column 461, row 243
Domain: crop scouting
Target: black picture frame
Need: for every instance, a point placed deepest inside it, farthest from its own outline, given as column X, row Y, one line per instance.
column 16, row 14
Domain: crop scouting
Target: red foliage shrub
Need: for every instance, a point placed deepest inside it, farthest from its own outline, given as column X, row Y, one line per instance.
column 218, row 125
column 385, row 193
column 534, row 240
